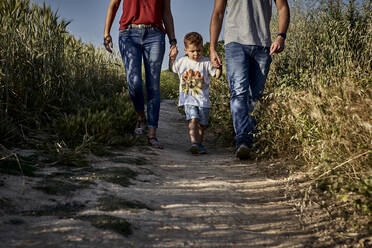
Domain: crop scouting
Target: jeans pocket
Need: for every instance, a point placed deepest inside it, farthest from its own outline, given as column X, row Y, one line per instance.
column 124, row 31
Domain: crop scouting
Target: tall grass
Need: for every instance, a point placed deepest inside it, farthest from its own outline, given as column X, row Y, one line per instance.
column 169, row 85
column 51, row 80
column 317, row 108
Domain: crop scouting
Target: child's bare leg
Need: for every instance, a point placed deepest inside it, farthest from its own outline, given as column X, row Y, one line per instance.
column 201, row 130
column 201, row 133
column 194, row 130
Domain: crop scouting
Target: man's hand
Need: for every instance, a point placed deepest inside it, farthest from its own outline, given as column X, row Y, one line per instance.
column 215, row 59
column 107, row 42
column 277, row 46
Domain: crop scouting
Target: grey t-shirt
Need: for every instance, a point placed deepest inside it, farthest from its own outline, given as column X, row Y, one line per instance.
column 248, row 22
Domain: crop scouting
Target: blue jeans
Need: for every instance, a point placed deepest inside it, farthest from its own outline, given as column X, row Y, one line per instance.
column 247, row 68
column 149, row 44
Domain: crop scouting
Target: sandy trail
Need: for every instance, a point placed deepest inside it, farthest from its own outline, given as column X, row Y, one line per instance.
column 210, row 200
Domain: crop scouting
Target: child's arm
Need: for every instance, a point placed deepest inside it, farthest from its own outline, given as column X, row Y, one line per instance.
column 218, row 72
column 171, row 62
column 213, row 71
column 172, row 57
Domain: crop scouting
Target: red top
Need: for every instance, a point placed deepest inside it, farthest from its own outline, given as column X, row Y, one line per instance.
column 142, row 12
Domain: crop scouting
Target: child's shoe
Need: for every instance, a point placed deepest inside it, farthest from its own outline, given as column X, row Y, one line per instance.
column 194, row 149
column 202, row 149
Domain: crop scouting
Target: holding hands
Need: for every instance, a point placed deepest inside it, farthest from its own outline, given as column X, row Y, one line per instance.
column 216, row 62
column 215, row 59
column 173, row 52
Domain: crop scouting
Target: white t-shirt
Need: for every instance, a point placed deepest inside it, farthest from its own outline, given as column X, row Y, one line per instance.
column 194, row 81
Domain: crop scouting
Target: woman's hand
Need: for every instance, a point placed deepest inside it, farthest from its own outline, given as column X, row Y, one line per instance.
column 107, row 42
column 173, row 52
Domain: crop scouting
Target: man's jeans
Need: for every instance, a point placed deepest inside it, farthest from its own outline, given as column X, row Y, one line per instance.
column 135, row 43
column 247, row 68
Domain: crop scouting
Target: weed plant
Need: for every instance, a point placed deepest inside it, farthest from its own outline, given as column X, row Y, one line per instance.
column 169, row 85
column 51, row 81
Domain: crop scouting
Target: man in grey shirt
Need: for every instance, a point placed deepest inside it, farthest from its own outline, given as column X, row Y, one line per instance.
column 248, row 50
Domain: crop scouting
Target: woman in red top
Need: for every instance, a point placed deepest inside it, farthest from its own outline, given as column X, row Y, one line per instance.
column 143, row 26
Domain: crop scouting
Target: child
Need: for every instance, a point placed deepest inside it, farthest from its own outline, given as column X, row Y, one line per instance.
column 193, row 71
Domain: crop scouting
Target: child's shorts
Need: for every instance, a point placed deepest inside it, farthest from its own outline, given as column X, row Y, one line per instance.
column 197, row 112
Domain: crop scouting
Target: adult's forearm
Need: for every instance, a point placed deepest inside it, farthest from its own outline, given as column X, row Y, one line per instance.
column 168, row 20
column 216, row 22
column 284, row 16
column 110, row 16
column 215, row 29
column 169, row 26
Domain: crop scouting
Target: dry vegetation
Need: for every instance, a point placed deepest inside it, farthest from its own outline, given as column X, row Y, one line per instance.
column 317, row 109
column 57, row 93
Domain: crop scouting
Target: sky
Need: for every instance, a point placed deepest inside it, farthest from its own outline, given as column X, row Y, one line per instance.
column 88, row 19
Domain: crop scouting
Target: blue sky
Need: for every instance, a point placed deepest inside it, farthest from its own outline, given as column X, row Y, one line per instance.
column 88, row 18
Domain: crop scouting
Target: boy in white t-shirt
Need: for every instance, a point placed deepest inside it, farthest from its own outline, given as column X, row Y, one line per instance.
column 194, row 72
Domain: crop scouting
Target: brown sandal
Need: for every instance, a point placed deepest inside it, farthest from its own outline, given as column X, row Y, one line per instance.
column 153, row 141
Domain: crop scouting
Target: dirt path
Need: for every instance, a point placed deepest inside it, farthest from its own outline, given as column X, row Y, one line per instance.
column 181, row 200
